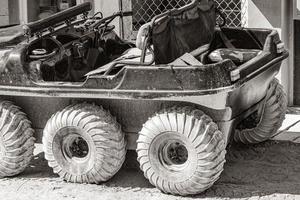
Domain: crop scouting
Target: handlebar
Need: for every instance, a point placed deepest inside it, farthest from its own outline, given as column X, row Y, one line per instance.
column 42, row 24
column 107, row 20
column 127, row 14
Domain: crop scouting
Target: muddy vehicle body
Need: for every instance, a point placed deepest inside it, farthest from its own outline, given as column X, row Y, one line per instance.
column 89, row 96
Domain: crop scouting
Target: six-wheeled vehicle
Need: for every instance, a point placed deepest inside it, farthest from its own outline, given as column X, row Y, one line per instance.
column 178, row 96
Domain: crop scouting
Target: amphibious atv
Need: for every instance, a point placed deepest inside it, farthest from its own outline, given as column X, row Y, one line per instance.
column 177, row 96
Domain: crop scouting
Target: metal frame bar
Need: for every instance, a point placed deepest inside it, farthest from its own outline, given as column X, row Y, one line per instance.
column 287, row 71
column 244, row 13
column 23, row 10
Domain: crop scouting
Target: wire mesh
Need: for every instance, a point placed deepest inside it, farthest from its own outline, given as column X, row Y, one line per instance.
column 234, row 11
column 145, row 10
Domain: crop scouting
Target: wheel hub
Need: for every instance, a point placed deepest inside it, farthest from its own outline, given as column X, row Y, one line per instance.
column 73, row 150
column 173, row 155
column 78, row 148
column 177, row 153
column 75, row 147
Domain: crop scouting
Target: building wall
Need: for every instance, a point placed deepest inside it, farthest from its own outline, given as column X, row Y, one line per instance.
column 264, row 14
column 112, row 6
column 108, row 8
column 33, row 10
column 9, row 12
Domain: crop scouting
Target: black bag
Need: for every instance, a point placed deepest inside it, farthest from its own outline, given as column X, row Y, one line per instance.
column 176, row 34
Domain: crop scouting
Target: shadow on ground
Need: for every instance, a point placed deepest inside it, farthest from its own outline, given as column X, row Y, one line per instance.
column 260, row 170
column 128, row 177
column 38, row 168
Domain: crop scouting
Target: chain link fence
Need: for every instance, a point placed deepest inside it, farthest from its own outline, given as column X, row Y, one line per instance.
column 235, row 11
column 145, row 10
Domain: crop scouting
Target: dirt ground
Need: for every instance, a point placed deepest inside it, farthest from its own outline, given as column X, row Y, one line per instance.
column 266, row 171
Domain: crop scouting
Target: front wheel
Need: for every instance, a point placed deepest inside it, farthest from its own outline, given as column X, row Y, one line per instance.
column 258, row 128
column 181, row 151
column 84, row 144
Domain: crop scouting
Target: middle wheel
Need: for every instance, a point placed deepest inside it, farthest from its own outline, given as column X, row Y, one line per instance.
column 181, row 151
column 84, row 144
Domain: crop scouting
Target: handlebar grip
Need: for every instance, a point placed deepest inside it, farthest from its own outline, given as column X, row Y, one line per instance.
column 69, row 13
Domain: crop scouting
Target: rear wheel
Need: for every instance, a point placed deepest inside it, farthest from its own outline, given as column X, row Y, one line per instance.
column 181, row 151
column 261, row 127
column 16, row 140
column 84, row 144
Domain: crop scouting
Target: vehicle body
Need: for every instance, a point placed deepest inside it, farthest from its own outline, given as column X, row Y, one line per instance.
column 226, row 92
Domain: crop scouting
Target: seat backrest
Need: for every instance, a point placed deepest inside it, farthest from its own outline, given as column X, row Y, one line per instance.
column 141, row 36
column 180, row 32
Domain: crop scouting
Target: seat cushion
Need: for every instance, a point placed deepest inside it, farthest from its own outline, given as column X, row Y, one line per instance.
column 238, row 56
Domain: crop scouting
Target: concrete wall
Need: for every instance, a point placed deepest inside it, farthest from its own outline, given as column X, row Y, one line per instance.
column 4, row 10
column 108, row 8
column 264, row 14
column 33, row 10
column 297, row 7
column 9, row 12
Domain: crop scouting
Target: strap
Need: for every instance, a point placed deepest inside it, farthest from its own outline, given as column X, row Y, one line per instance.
column 226, row 41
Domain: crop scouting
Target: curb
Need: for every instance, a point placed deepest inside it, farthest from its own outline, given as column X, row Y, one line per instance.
column 290, row 129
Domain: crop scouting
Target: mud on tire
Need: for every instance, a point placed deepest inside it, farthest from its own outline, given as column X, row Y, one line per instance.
column 16, row 140
column 271, row 119
column 181, row 151
column 84, row 144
